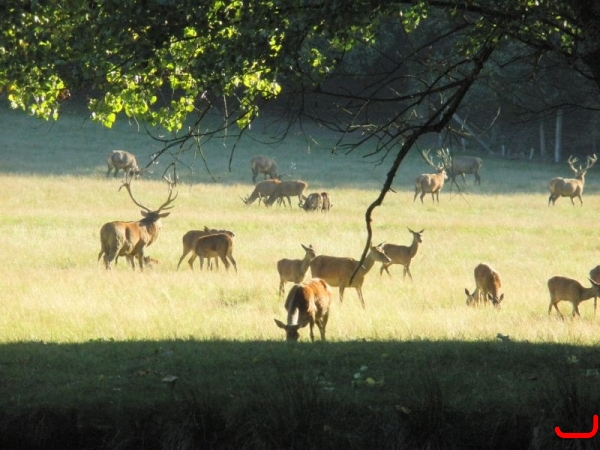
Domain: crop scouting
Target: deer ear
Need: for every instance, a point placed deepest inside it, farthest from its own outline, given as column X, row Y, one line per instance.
column 467, row 291
column 280, row 324
column 144, row 213
column 162, row 215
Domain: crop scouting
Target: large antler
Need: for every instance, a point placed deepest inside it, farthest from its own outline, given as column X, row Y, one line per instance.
column 571, row 162
column 127, row 185
column 428, row 160
column 171, row 199
column 591, row 160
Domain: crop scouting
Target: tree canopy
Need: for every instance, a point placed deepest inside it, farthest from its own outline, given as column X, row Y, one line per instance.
column 384, row 72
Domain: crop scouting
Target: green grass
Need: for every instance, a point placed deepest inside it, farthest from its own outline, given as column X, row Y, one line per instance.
column 74, row 336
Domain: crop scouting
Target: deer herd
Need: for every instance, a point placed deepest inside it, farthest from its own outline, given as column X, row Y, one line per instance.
column 308, row 301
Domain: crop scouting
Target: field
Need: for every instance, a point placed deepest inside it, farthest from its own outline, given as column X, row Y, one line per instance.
column 76, row 337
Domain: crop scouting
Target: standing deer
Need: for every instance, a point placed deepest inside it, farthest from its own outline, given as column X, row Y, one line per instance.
column 306, row 303
column 570, row 290
column 571, row 187
column 294, row 269
column 401, row 254
column 462, row 165
column 487, row 285
column 262, row 191
column 337, row 271
column 189, row 243
column 314, row 202
column 216, row 245
column 287, row 189
column 131, row 238
column 122, row 160
column 432, row 183
column 264, row 165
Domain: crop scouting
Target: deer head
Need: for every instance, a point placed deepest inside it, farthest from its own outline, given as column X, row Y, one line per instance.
column 580, row 172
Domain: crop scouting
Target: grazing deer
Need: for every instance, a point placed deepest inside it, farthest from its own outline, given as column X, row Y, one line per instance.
column 189, row 243
column 487, row 285
column 264, row 165
column 216, row 245
column 262, row 190
column 432, row 183
column 122, row 160
column 287, row 189
column 462, row 165
column 294, row 269
column 595, row 274
column 568, row 289
column 571, row 187
column 131, row 238
column 326, row 198
column 306, row 303
column 314, row 202
column 337, row 271
column 401, row 254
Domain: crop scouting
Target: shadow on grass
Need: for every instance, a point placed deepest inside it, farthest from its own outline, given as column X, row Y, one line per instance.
column 217, row 394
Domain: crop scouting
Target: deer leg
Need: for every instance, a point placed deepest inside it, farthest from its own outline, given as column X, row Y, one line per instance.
column 312, row 333
column 140, row 258
column 230, row 257
column 191, row 261
column 181, row 259
column 322, row 323
column 385, row 267
column 360, row 296
column 342, row 294
column 225, row 262
column 281, row 287
column 576, row 310
column 407, row 271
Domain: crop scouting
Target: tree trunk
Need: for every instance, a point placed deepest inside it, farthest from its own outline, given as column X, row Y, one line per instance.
column 542, row 138
column 558, row 136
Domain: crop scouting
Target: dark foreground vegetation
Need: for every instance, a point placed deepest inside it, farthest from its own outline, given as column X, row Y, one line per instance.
column 270, row 395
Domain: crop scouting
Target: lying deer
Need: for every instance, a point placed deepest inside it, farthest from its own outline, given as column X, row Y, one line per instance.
column 306, row 303
column 401, row 254
column 462, row 165
column 216, row 245
column 131, row 238
column 570, row 290
column 337, row 271
column 432, row 183
column 294, row 269
column 264, row 165
column 122, row 160
column 571, row 187
column 189, row 243
column 487, row 286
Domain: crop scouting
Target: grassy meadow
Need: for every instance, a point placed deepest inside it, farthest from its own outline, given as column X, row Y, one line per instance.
column 73, row 333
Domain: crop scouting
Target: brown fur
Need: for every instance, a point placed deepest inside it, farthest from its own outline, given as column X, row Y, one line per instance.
column 262, row 190
column 462, row 165
column 287, row 189
column 264, row 165
column 314, row 202
column 307, row 303
column 216, row 245
column 570, row 187
column 570, row 290
column 430, row 183
column 190, row 239
column 294, row 270
column 401, row 254
column 487, row 284
column 122, row 160
column 337, row 271
column 326, row 201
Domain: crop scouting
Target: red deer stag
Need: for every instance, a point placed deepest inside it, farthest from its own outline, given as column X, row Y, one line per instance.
column 487, row 285
column 189, row 243
column 131, row 238
column 287, row 189
column 306, row 303
column 216, row 246
column 262, row 191
column 401, row 254
column 570, row 290
column 264, row 165
column 462, row 165
column 571, row 187
column 294, row 269
column 122, row 160
column 314, row 202
column 337, row 271
column 432, row 183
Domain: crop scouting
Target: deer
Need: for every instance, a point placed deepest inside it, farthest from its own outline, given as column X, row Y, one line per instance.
column 487, row 285
column 326, row 198
column 462, row 165
column 294, row 270
column 568, row 289
column 189, row 243
column 432, row 183
column 148, row 261
column 122, row 160
column 262, row 190
column 595, row 274
column 314, row 202
column 337, row 271
column 306, row 303
column 402, row 254
column 131, row 238
column 571, row 187
column 216, row 245
column 264, row 165
column 287, row 189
